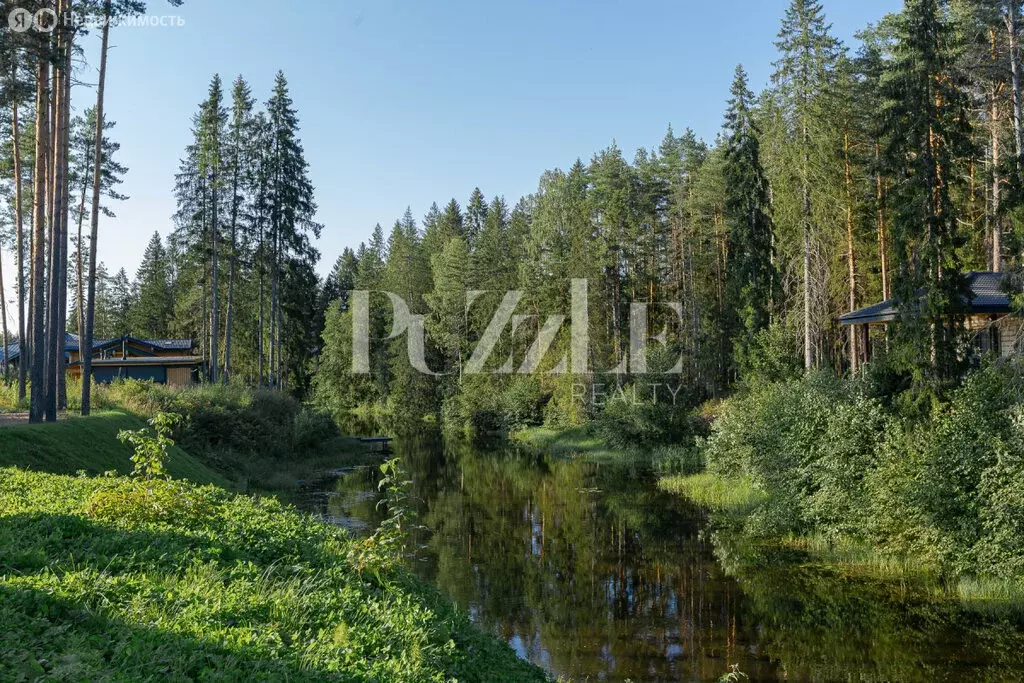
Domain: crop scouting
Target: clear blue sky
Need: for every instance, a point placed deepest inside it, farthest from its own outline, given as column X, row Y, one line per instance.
column 405, row 103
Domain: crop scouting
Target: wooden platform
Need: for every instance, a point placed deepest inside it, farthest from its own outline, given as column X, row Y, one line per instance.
column 381, row 444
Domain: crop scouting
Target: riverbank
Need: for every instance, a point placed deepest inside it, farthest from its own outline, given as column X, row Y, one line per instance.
column 104, row 576
column 112, row 577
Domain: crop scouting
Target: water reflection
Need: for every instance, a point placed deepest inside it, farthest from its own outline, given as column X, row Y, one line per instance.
column 592, row 573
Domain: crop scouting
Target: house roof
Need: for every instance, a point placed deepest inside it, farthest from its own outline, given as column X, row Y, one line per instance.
column 988, row 296
column 143, row 360
column 72, row 344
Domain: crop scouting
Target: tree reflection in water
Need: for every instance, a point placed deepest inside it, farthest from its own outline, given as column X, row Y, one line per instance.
column 589, row 570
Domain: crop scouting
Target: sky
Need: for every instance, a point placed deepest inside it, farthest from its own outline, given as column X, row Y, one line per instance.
column 405, row 103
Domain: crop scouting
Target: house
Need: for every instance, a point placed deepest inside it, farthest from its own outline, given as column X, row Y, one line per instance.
column 164, row 361
column 991, row 317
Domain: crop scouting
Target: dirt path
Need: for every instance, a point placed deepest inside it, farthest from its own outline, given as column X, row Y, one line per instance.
column 7, row 419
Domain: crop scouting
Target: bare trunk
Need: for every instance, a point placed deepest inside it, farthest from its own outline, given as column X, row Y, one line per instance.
column 808, row 327
column 20, row 241
column 3, row 317
column 1012, row 28
column 56, row 331
column 851, row 254
column 228, row 331
column 80, row 265
column 215, row 270
column 64, row 189
column 997, row 219
column 90, row 316
column 38, row 378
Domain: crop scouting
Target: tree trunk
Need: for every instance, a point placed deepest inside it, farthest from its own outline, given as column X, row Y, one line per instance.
column 64, row 189
column 80, row 255
column 808, row 328
column 3, row 317
column 997, row 219
column 85, row 344
column 1012, row 28
column 851, row 254
column 215, row 270
column 20, row 241
column 56, row 331
column 38, row 378
column 880, row 226
column 231, row 274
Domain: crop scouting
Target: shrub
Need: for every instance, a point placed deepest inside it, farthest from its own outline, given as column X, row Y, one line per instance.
column 311, row 428
column 644, row 424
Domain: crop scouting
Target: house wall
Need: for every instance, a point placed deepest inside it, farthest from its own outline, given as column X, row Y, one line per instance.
column 179, row 377
column 1010, row 334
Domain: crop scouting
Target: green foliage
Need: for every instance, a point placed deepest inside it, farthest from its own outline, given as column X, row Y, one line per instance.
column 118, row 579
column 835, row 462
column 644, row 424
column 150, row 455
column 222, row 419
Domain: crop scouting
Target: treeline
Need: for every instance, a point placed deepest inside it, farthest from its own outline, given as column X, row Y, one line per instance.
column 237, row 273
column 862, row 172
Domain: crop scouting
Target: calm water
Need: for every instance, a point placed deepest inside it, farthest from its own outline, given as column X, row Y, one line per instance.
column 593, row 574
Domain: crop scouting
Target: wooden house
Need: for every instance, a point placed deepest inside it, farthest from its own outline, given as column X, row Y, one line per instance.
column 995, row 324
column 164, row 361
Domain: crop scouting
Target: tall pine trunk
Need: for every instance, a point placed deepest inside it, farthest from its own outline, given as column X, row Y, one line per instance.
column 997, row 219
column 37, row 402
column 806, row 208
column 851, row 254
column 64, row 189
column 1013, row 29
column 56, row 193
column 228, row 330
column 880, row 223
column 20, row 241
column 215, row 270
column 3, row 316
column 85, row 344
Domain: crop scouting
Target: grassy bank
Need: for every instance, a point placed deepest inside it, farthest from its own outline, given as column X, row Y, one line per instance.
column 713, row 491
column 90, row 444
column 110, row 578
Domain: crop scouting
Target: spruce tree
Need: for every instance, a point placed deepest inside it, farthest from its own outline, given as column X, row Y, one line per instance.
column 153, row 306
column 926, row 112
column 803, row 78
column 750, row 273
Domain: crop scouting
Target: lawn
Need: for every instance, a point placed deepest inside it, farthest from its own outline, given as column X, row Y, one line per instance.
column 89, row 444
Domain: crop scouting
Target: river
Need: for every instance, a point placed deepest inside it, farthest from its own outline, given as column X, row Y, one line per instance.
column 592, row 573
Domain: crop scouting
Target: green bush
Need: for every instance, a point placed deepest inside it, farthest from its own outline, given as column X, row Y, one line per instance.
column 312, row 428
column 939, row 482
column 643, row 423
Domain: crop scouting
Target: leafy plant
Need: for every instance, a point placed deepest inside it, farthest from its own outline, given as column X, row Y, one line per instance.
column 150, row 456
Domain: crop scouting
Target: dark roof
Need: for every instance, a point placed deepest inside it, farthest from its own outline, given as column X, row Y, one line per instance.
column 144, row 360
column 71, row 343
column 988, row 297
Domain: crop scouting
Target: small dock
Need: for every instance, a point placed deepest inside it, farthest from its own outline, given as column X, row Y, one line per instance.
column 378, row 444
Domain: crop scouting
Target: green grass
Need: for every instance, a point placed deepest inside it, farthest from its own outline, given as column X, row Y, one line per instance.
column 713, row 491
column 89, row 444
column 574, row 442
column 118, row 579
